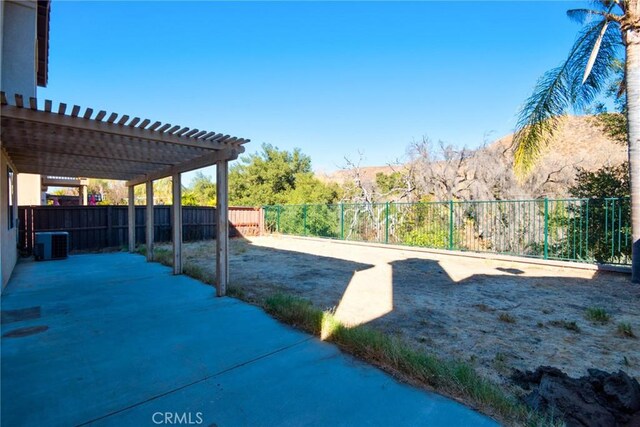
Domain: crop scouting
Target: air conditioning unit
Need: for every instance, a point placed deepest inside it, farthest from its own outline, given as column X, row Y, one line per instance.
column 51, row 245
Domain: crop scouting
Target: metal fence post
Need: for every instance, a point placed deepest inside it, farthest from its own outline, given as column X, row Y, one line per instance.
column 304, row 220
column 450, row 225
column 265, row 219
column 386, row 233
column 278, row 220
column 546, row 228
column 587, row 233
column 342, row 221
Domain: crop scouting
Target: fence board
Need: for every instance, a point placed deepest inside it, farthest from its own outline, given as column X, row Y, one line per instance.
column 99, row 227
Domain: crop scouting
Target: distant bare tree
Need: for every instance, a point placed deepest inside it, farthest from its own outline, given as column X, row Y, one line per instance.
column 357, row 189
column 441, row 169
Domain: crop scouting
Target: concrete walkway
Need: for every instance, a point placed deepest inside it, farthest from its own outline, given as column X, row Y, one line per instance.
column 112, row 340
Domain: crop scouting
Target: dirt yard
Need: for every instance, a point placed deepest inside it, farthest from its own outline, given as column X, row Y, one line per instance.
column 496, row 315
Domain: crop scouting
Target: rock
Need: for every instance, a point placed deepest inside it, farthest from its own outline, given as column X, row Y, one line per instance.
column 622, row 391
column 599, row 399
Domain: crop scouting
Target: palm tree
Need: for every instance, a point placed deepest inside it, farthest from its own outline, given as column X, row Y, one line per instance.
column 610, row 33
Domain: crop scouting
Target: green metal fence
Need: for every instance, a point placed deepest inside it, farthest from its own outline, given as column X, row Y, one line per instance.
column 583, row 230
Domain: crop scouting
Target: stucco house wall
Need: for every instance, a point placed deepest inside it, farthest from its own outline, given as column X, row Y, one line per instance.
column 19, row 66
column 18, row 74
column 8, row 229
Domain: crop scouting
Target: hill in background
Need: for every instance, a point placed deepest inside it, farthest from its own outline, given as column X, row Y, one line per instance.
column 579, row 142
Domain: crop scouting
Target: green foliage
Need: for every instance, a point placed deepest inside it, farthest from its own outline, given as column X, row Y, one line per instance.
column 608, row 181
column 597, row 314
column 201, row 191
column 625, row 330
column 570, row 326
column 422, row 224
column 617, row 87
column 189, row 198
column 323, row 220
column 614, row 125
column 438, row 238
column 313, row 220
column 309, row 189
column 162, row 192
column 386, row 183
column 562, row 88
column 608, row 190
column 277, row 177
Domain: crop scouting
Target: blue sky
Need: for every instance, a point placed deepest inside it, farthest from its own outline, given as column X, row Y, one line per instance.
column 332, row 78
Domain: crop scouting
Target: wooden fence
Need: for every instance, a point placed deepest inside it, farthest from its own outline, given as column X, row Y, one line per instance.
column 99, row 227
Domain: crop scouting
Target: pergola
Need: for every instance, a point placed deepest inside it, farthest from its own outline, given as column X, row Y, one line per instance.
column 71, row 142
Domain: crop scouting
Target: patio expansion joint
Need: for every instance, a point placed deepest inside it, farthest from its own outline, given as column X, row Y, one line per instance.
column 206, row 378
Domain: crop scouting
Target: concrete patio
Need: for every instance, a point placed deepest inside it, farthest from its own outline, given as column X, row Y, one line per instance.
column 109, row 339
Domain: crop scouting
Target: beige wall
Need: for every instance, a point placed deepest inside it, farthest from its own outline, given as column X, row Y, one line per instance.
column 30, row 192
column 8, row 235
column 18, row 64
column 19, row 29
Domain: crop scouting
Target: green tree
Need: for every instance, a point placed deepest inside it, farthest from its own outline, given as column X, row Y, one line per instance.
column 608, row 181
column 162, row 192
column 590, row 65
column 607, row 228
column 189, row 198
column 388, row 182
column 309, row 189
column 275, row 176
column 614, row 125
column 201, row 191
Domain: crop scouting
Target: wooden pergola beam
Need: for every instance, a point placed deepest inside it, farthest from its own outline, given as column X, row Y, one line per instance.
column 62, row 171
column 197, row 163
column 107, row 128
column 94, row 161
column 72, row 143
column 116, row 148
column 57, row 181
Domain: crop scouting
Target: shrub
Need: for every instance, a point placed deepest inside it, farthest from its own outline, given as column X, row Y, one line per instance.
column 597, row 314
column 570, row 326
column 625, row 330
column 507, row 318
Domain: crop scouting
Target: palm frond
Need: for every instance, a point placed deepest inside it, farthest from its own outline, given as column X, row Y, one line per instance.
column 594, row 52
column 582, row 16
column 607, row 4
column 562, row 88
column 603, row 66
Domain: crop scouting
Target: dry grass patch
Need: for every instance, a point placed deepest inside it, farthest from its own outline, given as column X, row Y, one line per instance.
column 570, row 326
column 507, row 318
column 451, row 377
column 625, row 330
column 597, row 315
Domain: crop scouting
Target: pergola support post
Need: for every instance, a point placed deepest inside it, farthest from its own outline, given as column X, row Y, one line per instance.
column 83, row 195
column 149, row 221
column 222, row 227
column 132, row 219
column 177, row 223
